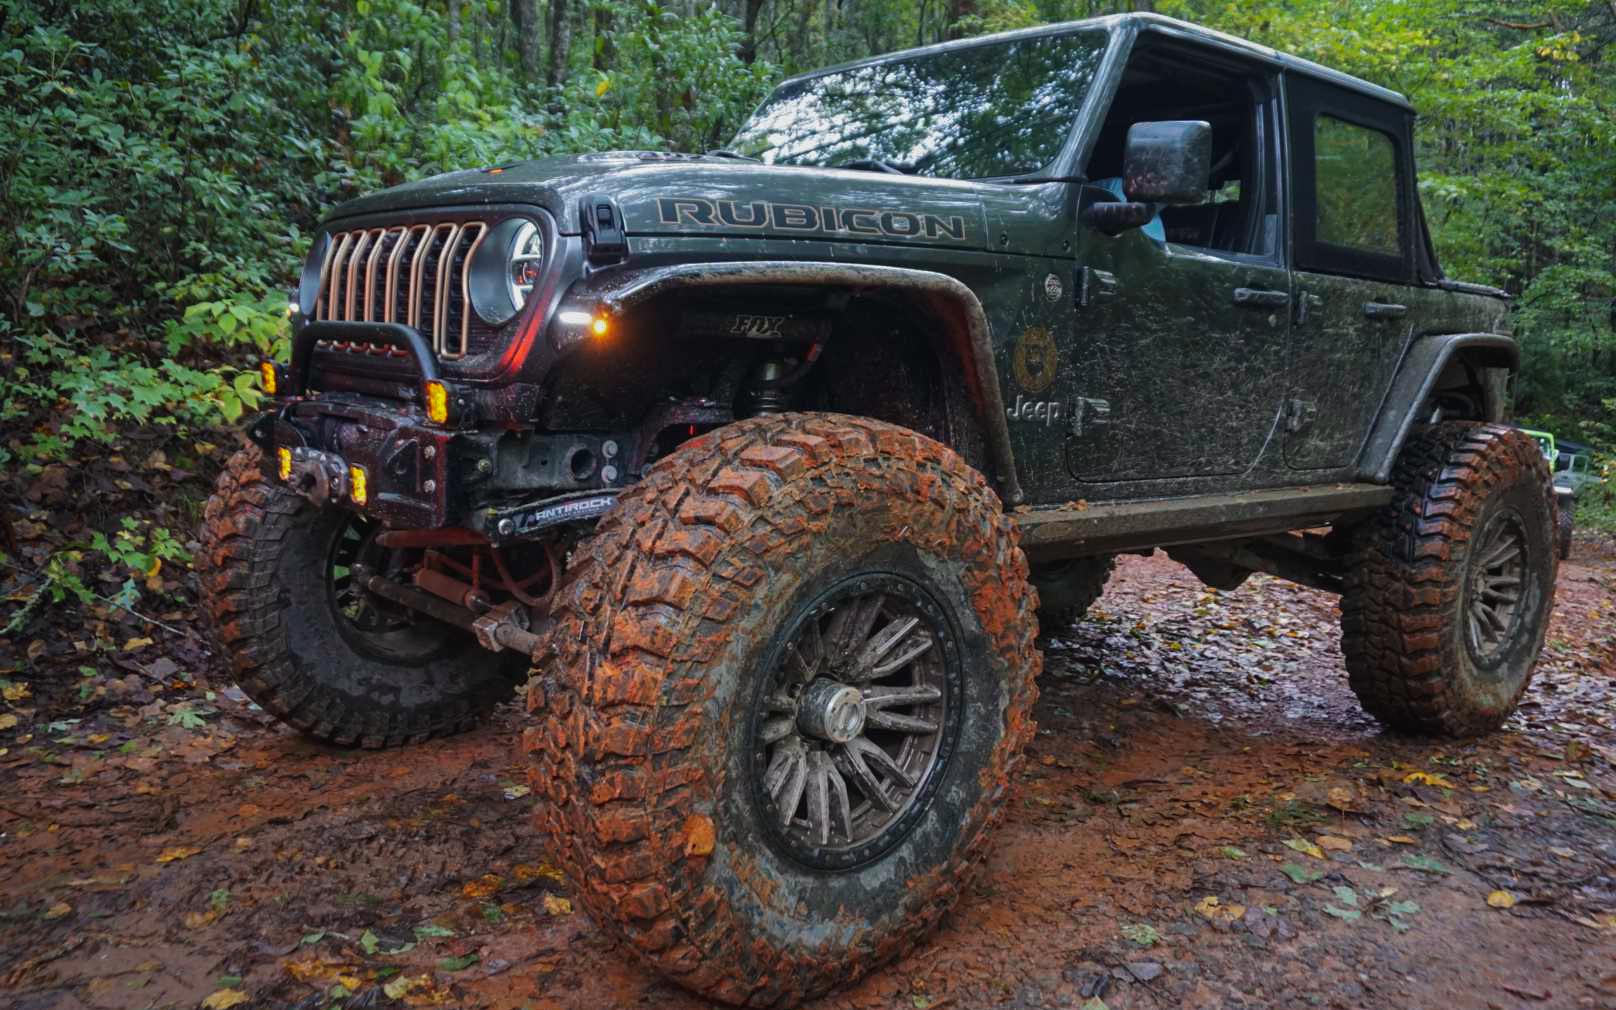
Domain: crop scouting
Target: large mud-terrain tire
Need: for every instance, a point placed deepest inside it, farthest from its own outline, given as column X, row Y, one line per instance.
column 733, row 584
column 1448, row 593
column 1564, row 530
column 1067, row 589
column 267, row 602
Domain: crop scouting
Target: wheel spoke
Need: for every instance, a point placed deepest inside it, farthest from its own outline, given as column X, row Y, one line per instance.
column 819, row 773
column 880, row 760
column 876, row 698
column 779, row 701
column 1505, row 548
column 851, row 625
column 902, row 659
column 807, row 653
column 789, row 795
column 881, row 643
column 853, row 764
column 900, row 723
column 776, row 729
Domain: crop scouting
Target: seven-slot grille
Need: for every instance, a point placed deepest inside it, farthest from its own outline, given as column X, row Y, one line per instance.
column 418, row 275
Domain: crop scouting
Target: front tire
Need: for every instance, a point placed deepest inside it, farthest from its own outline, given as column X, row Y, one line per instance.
column 793, row 673
column 313, row 650
column 1447, row 599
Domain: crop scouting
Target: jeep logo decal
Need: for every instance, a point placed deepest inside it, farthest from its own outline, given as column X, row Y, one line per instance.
column 801, row 217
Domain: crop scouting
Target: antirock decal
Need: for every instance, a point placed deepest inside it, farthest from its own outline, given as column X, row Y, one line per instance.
column 732, row 215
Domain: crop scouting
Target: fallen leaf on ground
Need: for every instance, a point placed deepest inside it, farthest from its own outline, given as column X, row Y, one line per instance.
column 1501, row 899
column 458, row 963
column 58, row 910
column 1427, row 779
column 1213, row 908
column 1401, row 840
column 554, row 905
column 224, row 998
column 135, row 645
column 7, row 721
column 1300, row 874
column 525, row 873
column 1334, row 843
column 169, row 855
column 483, row 886
column 1304, row 846
column 400, row 986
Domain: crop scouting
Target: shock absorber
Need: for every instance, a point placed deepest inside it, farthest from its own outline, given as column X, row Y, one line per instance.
column 773, row 376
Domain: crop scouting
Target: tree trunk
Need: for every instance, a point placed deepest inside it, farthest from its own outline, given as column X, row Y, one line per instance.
column 749, row 19
column 958, row 10
column 525, row 19
column 560, row 41
column 605, row 52
column 454, row 21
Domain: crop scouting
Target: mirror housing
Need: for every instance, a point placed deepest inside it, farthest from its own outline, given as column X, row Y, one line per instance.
column 1168, row 162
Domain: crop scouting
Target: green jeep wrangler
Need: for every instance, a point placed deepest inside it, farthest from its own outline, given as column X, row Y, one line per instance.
column 755, row 459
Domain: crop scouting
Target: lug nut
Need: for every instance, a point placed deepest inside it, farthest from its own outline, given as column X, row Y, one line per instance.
column 608, row 473
column 608, row 449
column 506, row 527
column 429, row 486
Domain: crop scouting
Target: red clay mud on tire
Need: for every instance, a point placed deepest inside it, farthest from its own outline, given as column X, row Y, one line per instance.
column 635, row 716
column 1404, row 608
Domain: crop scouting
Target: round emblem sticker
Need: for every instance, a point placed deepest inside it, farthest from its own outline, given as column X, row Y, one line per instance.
column 1052, row 288
column 1035, row 359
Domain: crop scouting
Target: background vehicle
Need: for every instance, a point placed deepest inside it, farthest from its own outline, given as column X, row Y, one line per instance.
column 725, row 443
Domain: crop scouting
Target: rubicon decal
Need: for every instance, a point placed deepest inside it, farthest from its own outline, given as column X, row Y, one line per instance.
column 758, row 215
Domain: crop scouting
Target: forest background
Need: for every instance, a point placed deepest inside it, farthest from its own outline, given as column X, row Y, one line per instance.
column 162, row 164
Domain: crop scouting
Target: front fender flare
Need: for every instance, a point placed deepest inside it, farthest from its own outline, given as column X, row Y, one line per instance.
column 1417, row 374
column 616, row 292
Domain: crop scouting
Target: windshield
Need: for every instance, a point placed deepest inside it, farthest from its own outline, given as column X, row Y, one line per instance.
column 970, row 113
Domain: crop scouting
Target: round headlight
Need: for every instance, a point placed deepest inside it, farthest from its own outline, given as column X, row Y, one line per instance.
column 508, row 264
column 308, row 287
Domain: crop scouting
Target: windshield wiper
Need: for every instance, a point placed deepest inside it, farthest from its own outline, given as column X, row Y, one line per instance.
column 1036, row 180
column 877, row 165
column 722, row 153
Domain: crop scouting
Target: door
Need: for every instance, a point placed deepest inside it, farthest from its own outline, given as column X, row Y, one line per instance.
column 1182, row 327
column 1354, row 230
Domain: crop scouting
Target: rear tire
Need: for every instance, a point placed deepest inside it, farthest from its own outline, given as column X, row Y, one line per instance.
column 1447, row 599
column 353, row 679
column 704, row 642
column 1067, row 589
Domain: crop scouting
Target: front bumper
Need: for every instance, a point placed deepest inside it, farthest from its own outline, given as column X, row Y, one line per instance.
column 404, row 459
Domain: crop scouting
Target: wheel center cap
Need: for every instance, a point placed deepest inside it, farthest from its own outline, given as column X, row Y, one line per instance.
column 831, row 711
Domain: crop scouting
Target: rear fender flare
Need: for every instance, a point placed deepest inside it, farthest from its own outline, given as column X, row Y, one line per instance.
column 1422, row 367
column 970, row 339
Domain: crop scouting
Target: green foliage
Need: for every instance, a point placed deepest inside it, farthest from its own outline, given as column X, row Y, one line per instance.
column 161, row 161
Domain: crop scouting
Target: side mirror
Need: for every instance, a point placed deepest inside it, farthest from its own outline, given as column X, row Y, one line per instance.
column 1168, row 162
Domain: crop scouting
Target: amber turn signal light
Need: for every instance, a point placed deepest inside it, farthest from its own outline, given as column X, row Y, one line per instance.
column 266, row 376
column 600, row 326
column 437, row 402
column 283, row 462
column 358, row 484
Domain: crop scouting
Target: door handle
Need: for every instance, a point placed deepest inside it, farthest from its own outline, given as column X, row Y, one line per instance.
column 1384, row 310
column 1256, row 298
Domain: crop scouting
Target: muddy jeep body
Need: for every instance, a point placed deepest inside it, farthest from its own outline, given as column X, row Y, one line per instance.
column 748, row 413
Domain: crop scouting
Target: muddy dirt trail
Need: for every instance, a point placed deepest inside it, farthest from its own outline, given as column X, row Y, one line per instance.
column 1206, row 821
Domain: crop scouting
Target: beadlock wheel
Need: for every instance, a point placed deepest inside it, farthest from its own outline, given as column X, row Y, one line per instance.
column 853, row 726
column 1447, row 598
column 792, row 672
